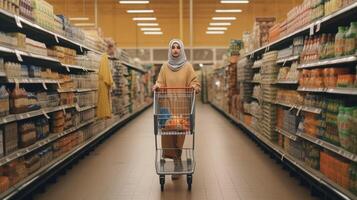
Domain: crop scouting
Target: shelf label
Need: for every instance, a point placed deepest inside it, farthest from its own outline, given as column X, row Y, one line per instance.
column 312, row 29
column 18, row 22
column 80, row 47
column 67, row 68
column 45, row 114
column 44, row 85
column 56, row 38
column 318, row 26
column 4, row 120
column 64, row 110
column 251, row 56
column 18, row 56
column 284, row 62
column 77, row 107
column 59, row 85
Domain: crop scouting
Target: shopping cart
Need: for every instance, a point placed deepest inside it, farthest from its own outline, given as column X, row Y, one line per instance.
column 174, row 116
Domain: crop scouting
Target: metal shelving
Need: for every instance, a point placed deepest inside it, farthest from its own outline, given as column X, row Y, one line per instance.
column 338, row 150
column 288, row 82
column 288, row 59
column 346, row 91
column 287, row 134
column 328, row 62
column 303, row 108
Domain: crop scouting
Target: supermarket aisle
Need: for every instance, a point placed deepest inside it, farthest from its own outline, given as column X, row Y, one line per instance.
column 229, row 166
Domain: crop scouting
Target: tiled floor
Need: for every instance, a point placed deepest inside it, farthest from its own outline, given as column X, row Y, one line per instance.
column 229, row 166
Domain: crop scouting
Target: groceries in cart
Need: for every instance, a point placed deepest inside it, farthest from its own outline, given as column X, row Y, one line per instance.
column 176, row 123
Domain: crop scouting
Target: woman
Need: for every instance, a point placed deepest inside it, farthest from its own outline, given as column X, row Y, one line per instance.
column 176, row 73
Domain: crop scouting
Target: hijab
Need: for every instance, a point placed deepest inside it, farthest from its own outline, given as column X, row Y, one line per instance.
column 176, row 63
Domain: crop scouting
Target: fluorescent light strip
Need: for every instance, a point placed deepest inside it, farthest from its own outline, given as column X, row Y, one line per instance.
column 234, row 1
column 148, row 24
column 133, row 2
column 78, row 18
column 220, row 24
column 150, row 29
column 144, row 18
column 153, row 33
column 224, row 18
column 140, row 11
column 215, row 32
column 217, row 28
column 229, row 11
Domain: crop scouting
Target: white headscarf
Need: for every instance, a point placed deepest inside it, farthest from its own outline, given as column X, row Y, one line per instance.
column 175, row 63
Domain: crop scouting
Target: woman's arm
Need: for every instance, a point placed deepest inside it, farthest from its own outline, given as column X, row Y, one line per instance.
column 160, row 82
column 193, row 80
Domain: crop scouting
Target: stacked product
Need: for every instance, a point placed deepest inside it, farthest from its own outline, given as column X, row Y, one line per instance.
column 64, row 55
column 245, row 74
column 120, row 93
column 312, row 155
column 58, row 26
column 90, row 60
column 232, row 86
column 86, row 98
column 36, row 47
column 269, row 72
column 261, row 31
column 289, row 73
column 335, row 169
column 11, row 6
column 43, row 14
column 26, row 9
column 284, row 53
column 70, row 31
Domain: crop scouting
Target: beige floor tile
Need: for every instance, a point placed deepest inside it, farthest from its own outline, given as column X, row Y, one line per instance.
column 229, row 166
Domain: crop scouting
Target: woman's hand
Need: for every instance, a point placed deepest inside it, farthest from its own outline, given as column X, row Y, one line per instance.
column 155, row 87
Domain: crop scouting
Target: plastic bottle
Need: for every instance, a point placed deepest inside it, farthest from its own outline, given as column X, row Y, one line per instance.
column 322, row 48
column 354, row 131
column 351, row 39
column 330, row 47
column 339, row 41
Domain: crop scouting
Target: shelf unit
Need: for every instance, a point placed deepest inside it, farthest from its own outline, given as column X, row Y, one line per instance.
column 322, row 25
column 289, row 160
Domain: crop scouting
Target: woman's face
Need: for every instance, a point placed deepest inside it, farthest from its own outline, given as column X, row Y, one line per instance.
column 175, row 50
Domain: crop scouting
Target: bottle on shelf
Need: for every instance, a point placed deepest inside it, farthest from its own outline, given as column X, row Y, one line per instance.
column 351, row 39
column 340, row 41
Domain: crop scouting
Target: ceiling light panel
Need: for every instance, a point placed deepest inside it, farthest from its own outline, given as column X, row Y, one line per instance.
column 224, row 18
column 150, row 29
column 147, row 24
column 144, row 18
column 220, row 24
column 217, row 28
column 153, row 33
column 214, row 32
column 140, row 11
column 229, row 11
column 133, row 2
column 234, row 1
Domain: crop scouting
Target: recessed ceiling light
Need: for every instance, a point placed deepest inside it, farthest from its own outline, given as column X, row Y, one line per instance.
column 229, row 11
column 78, row 18
column 217, row 28
column 215, row 32
column 153, row 33
column 220, row 24
column 84, row 24
column 144, row 18
column 234, row 1
column 140, row 11
column 150, row 29
column 133, row 2
column 148, row 24
column 224, row 18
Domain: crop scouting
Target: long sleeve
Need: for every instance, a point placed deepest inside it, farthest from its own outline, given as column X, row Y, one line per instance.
column 161, row 79
column 193, row 80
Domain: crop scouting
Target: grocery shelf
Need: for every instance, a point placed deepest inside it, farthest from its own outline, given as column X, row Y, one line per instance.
column 51, row 138
column 133, row 67
column 328, row 62
column 346, row 91
column 86, row 90
column 255, row 82
column 290, row 82
column 38, row 32
column 16, row 117
column 304, row 89
column 31, row 80
column 81, row 109
column 303, row 108
column 349, row 91
column 78, row 67
column 27, row 185
column 293, row 163
column 322, row 22
column 288, row 59
column 76, row 90
column 338, row 150
column 287, row 134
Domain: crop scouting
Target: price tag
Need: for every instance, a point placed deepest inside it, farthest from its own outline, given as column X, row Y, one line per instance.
column 4, row 120
column 77, row 107
column 45, row 114
column 18, row 56
column 18, row 22
column 64, row 110
column 312, row 29
column 251, row 56
column 56, row 38
column 81, row 48
column 298, row 112
column 44, row 85
column 59, row 85
column 28, row 115
column 67, row 68
column 318, row 26
column 282, row 157
column 21, row 116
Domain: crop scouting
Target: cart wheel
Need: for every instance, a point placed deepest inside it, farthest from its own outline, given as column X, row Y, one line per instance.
column 162, row 182
column 189, row 181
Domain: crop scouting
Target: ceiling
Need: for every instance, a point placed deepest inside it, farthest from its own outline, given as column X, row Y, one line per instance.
column 116, row 23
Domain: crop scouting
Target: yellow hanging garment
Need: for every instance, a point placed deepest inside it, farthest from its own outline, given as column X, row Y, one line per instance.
column 104, row 107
